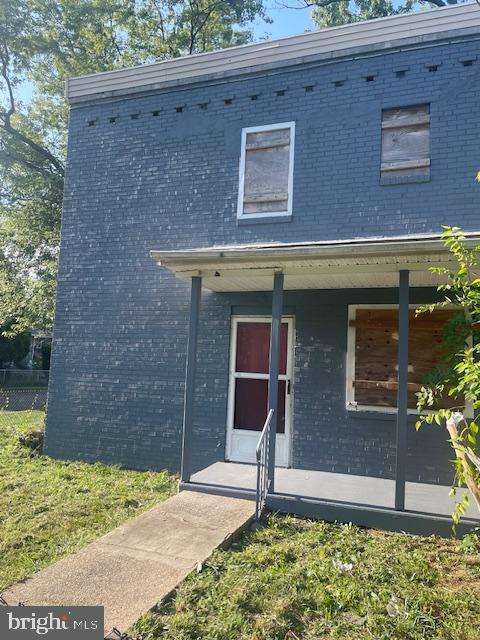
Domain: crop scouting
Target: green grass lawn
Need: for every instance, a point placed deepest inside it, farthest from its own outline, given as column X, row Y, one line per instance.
column 49, row 508
column 280, row 584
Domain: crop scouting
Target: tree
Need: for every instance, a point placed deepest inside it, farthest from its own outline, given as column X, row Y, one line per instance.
column 460, row 377
column 42, row 42
column 13, row 349
column 345, row 12
column 331, row 13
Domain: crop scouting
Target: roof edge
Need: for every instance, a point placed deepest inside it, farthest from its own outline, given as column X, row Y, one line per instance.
column 373, row 246
column 381, row 34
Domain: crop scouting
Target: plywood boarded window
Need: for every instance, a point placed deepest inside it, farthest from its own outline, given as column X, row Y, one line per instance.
column 374, row 338
column 266, row 169
column 406, row 141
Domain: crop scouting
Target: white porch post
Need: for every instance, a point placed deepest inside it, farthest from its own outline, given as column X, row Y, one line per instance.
column 274, row 369
column 188, row 417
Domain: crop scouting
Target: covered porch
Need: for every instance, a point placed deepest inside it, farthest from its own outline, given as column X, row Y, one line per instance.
column 337, row 495
column 284, row 482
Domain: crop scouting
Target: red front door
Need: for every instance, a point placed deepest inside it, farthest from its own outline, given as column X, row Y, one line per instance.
column 248, row 406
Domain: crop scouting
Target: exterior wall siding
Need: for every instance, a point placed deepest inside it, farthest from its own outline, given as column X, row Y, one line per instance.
column 138, row 181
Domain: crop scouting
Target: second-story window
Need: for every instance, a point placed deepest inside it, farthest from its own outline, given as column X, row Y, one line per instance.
column 266, row 171
column 406, row 141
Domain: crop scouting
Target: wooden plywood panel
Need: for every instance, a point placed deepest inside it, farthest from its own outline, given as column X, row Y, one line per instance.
column 376, row 354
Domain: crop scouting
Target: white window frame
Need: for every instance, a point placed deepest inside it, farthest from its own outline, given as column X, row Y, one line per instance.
column 351, row 404
column 241, row 188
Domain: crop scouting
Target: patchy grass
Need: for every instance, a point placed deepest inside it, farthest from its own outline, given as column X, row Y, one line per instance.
column 50, row 508
column 280, row 584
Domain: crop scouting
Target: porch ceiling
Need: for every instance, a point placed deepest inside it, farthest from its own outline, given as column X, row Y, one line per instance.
column 324, row 265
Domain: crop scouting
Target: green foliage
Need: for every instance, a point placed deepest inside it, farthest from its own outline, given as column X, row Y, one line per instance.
column 471, row 542
column 42, row 42
column 338, row 12
column 280, row 583
column 51, row 508
column 13, row 348
column 460, row 377
column 161, row 30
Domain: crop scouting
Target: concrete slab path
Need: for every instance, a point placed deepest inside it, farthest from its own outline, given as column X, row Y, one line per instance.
column 134, row 566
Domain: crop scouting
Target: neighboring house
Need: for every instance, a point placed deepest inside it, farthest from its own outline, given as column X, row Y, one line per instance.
column 307, row 176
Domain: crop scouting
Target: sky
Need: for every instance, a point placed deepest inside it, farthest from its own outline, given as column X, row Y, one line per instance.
column 286, row 21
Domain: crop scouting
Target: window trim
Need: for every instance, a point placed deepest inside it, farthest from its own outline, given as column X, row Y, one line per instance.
column 241, row 186
column 350, row 403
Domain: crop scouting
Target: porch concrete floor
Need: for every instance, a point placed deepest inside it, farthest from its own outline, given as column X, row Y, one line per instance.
column 134, row 566
column 378, row 492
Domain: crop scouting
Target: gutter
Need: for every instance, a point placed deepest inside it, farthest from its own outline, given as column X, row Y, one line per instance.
column 323, row 249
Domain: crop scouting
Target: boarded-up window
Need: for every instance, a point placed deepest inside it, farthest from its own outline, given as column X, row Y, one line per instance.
column 265, row 185
column 406, row 141
column 375, row 370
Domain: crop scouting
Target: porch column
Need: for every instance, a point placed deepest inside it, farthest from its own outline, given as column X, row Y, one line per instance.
column 402, row 393
column 274, row 368
column 188, row 407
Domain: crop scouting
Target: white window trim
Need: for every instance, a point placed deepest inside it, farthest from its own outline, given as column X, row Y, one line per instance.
column 350, row 365
column 241, row 187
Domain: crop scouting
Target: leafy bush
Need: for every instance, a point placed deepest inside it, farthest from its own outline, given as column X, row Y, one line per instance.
column 460, row 378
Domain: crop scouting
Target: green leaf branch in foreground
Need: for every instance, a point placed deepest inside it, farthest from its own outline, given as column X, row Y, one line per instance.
column 459, row 379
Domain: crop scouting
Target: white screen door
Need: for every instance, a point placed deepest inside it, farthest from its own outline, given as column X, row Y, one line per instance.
column 248, row 388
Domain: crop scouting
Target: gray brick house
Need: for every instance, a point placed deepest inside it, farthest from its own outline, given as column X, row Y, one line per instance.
column 299, row 184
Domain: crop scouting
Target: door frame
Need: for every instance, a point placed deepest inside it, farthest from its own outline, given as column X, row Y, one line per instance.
column 232, row 375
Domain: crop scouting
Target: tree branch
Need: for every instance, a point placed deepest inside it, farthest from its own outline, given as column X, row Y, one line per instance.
column 163, row 31
column 28, row 164
column 5, row 60
column 321, row 4
column 195, row 30
column 6, row 119
column 18, row 135
column 460, row 453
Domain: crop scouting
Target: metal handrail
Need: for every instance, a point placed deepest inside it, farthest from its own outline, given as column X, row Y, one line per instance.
column 262, row 453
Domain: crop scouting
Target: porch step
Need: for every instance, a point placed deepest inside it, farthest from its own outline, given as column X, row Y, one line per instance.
column 218, row 490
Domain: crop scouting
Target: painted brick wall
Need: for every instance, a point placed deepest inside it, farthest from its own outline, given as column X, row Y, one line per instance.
column 326, row 436
column 161, row 171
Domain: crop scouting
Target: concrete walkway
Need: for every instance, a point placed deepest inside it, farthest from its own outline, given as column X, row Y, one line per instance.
column 130, row 569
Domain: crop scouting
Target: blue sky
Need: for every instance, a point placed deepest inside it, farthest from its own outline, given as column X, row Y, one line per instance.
column 286, row 22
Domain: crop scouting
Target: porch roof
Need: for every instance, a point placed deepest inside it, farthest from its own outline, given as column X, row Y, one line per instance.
column 365, row 263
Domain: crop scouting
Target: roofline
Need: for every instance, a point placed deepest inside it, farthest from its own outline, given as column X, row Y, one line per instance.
column 401, row 245
column 422, row 28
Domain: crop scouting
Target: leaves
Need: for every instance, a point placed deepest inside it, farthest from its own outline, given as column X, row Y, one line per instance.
column 460, row 376
column 42, row 42
column 330, row 13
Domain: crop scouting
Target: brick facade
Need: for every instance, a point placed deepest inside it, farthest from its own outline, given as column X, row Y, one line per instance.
column 160, row 171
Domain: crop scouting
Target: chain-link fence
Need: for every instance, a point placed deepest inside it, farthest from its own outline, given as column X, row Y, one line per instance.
column 23, row 398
